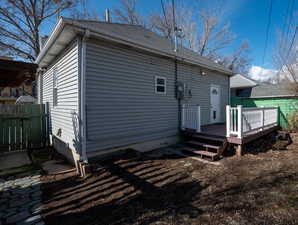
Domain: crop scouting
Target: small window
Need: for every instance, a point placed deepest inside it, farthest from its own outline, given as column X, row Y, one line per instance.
column 214, row 91
column 160, row 85
column 55, row 87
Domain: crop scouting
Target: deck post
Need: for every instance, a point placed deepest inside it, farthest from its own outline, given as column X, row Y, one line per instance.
column 228, row 120
column 277, row 116
column 239, row 150
column 262, row 117
column 239, row 121
column 199, row 119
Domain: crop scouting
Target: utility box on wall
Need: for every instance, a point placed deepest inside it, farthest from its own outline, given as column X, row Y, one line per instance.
column 183, row 91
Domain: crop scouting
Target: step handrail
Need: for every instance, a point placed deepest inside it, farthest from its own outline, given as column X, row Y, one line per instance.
column 191, row 117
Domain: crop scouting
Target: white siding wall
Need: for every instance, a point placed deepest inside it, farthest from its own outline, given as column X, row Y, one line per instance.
column 122, row 107
column 200, row 88
column 68, row 101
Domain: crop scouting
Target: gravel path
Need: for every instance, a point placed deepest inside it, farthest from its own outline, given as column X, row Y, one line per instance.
column 20, row 201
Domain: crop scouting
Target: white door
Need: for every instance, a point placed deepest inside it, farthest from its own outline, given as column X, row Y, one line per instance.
column 215, row 104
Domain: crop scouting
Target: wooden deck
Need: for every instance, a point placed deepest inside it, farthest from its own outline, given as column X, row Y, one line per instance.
column 245, row 125
column 220, row 130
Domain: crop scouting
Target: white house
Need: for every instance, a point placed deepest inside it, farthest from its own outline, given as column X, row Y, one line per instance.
column 113, row 85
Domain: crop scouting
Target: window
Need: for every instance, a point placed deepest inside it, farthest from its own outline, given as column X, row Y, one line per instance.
column 55, row 87
column 160, row 85
column 214, row 92
column 244, row 92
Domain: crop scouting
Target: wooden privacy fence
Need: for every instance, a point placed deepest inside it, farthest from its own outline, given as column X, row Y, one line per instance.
column 23, row 127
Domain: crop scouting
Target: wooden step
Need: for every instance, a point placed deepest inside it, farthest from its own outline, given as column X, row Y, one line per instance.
column 200, row 152
column 207, row 137
column 204, row 144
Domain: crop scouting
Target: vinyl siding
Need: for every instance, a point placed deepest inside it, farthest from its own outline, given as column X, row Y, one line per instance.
column 200, row 89
column 122, row 106
column 61, row 115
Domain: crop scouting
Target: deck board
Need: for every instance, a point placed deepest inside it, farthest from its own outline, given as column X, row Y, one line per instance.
column 220, row 130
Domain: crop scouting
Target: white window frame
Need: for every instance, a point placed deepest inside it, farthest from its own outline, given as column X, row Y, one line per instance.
column 55, row 87
column 160, row 85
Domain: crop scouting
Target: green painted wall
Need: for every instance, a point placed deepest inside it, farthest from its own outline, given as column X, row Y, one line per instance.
column 287, row 106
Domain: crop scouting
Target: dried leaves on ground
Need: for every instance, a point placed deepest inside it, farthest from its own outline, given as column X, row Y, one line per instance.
column 163, row 188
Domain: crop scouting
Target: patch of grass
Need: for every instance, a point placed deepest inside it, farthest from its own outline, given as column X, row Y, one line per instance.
column 292, row 199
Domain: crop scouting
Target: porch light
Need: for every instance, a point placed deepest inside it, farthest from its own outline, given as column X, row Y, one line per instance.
column 203, row 73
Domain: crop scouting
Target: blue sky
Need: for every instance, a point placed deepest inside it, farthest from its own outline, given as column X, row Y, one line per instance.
column 248, row 20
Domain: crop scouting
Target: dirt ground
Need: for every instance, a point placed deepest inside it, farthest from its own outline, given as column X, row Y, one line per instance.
column 163, row 188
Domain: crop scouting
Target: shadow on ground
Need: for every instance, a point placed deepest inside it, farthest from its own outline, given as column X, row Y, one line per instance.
column 123, row 191
column 156, row 188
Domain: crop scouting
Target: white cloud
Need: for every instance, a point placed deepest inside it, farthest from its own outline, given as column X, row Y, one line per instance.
column 262, row 74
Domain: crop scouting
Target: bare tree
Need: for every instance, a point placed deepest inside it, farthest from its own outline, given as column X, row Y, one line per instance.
column 238, row 61
column 165, row 24
column 21, row 20
column 162, row 23
column 4, row 51
column 127, row 13
column 82, row 11
column 207, row 36
column 213, row 35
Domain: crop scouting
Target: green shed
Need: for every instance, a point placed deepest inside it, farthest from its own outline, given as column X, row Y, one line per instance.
column 255, row 95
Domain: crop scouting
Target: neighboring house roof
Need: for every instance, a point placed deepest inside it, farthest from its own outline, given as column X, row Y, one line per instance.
column 132, row 35
column 273, row 90
column 240, row 81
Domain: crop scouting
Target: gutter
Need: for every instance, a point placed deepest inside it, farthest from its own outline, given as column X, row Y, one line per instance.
column 176, row 93
column 53, row 36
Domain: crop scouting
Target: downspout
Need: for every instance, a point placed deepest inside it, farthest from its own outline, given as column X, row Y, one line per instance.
column 177, row 95
column 83, row 121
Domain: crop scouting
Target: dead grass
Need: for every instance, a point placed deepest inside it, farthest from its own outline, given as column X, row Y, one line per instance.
column 162, row 188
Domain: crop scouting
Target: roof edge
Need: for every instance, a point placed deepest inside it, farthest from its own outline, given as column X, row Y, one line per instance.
column 52, row 37
column 62, row 22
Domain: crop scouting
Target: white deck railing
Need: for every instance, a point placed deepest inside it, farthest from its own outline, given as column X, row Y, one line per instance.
column 191, row 117
column 241, row 120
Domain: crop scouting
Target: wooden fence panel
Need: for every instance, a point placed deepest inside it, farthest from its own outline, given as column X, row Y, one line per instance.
column 22, row 127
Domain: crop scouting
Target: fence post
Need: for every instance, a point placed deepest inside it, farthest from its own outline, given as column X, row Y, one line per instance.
column 183, row 117
column 199, row 119
column 239, row 120
column 48, row 125
column 277, row 116
column 228, row 120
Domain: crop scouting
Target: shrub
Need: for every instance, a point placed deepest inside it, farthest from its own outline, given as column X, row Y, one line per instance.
column 293, row 121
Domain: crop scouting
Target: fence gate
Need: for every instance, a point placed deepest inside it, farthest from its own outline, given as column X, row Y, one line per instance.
column 23, row 127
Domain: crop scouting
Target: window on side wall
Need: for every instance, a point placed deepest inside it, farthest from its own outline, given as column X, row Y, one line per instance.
column 160, row 85
column 55, row 87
